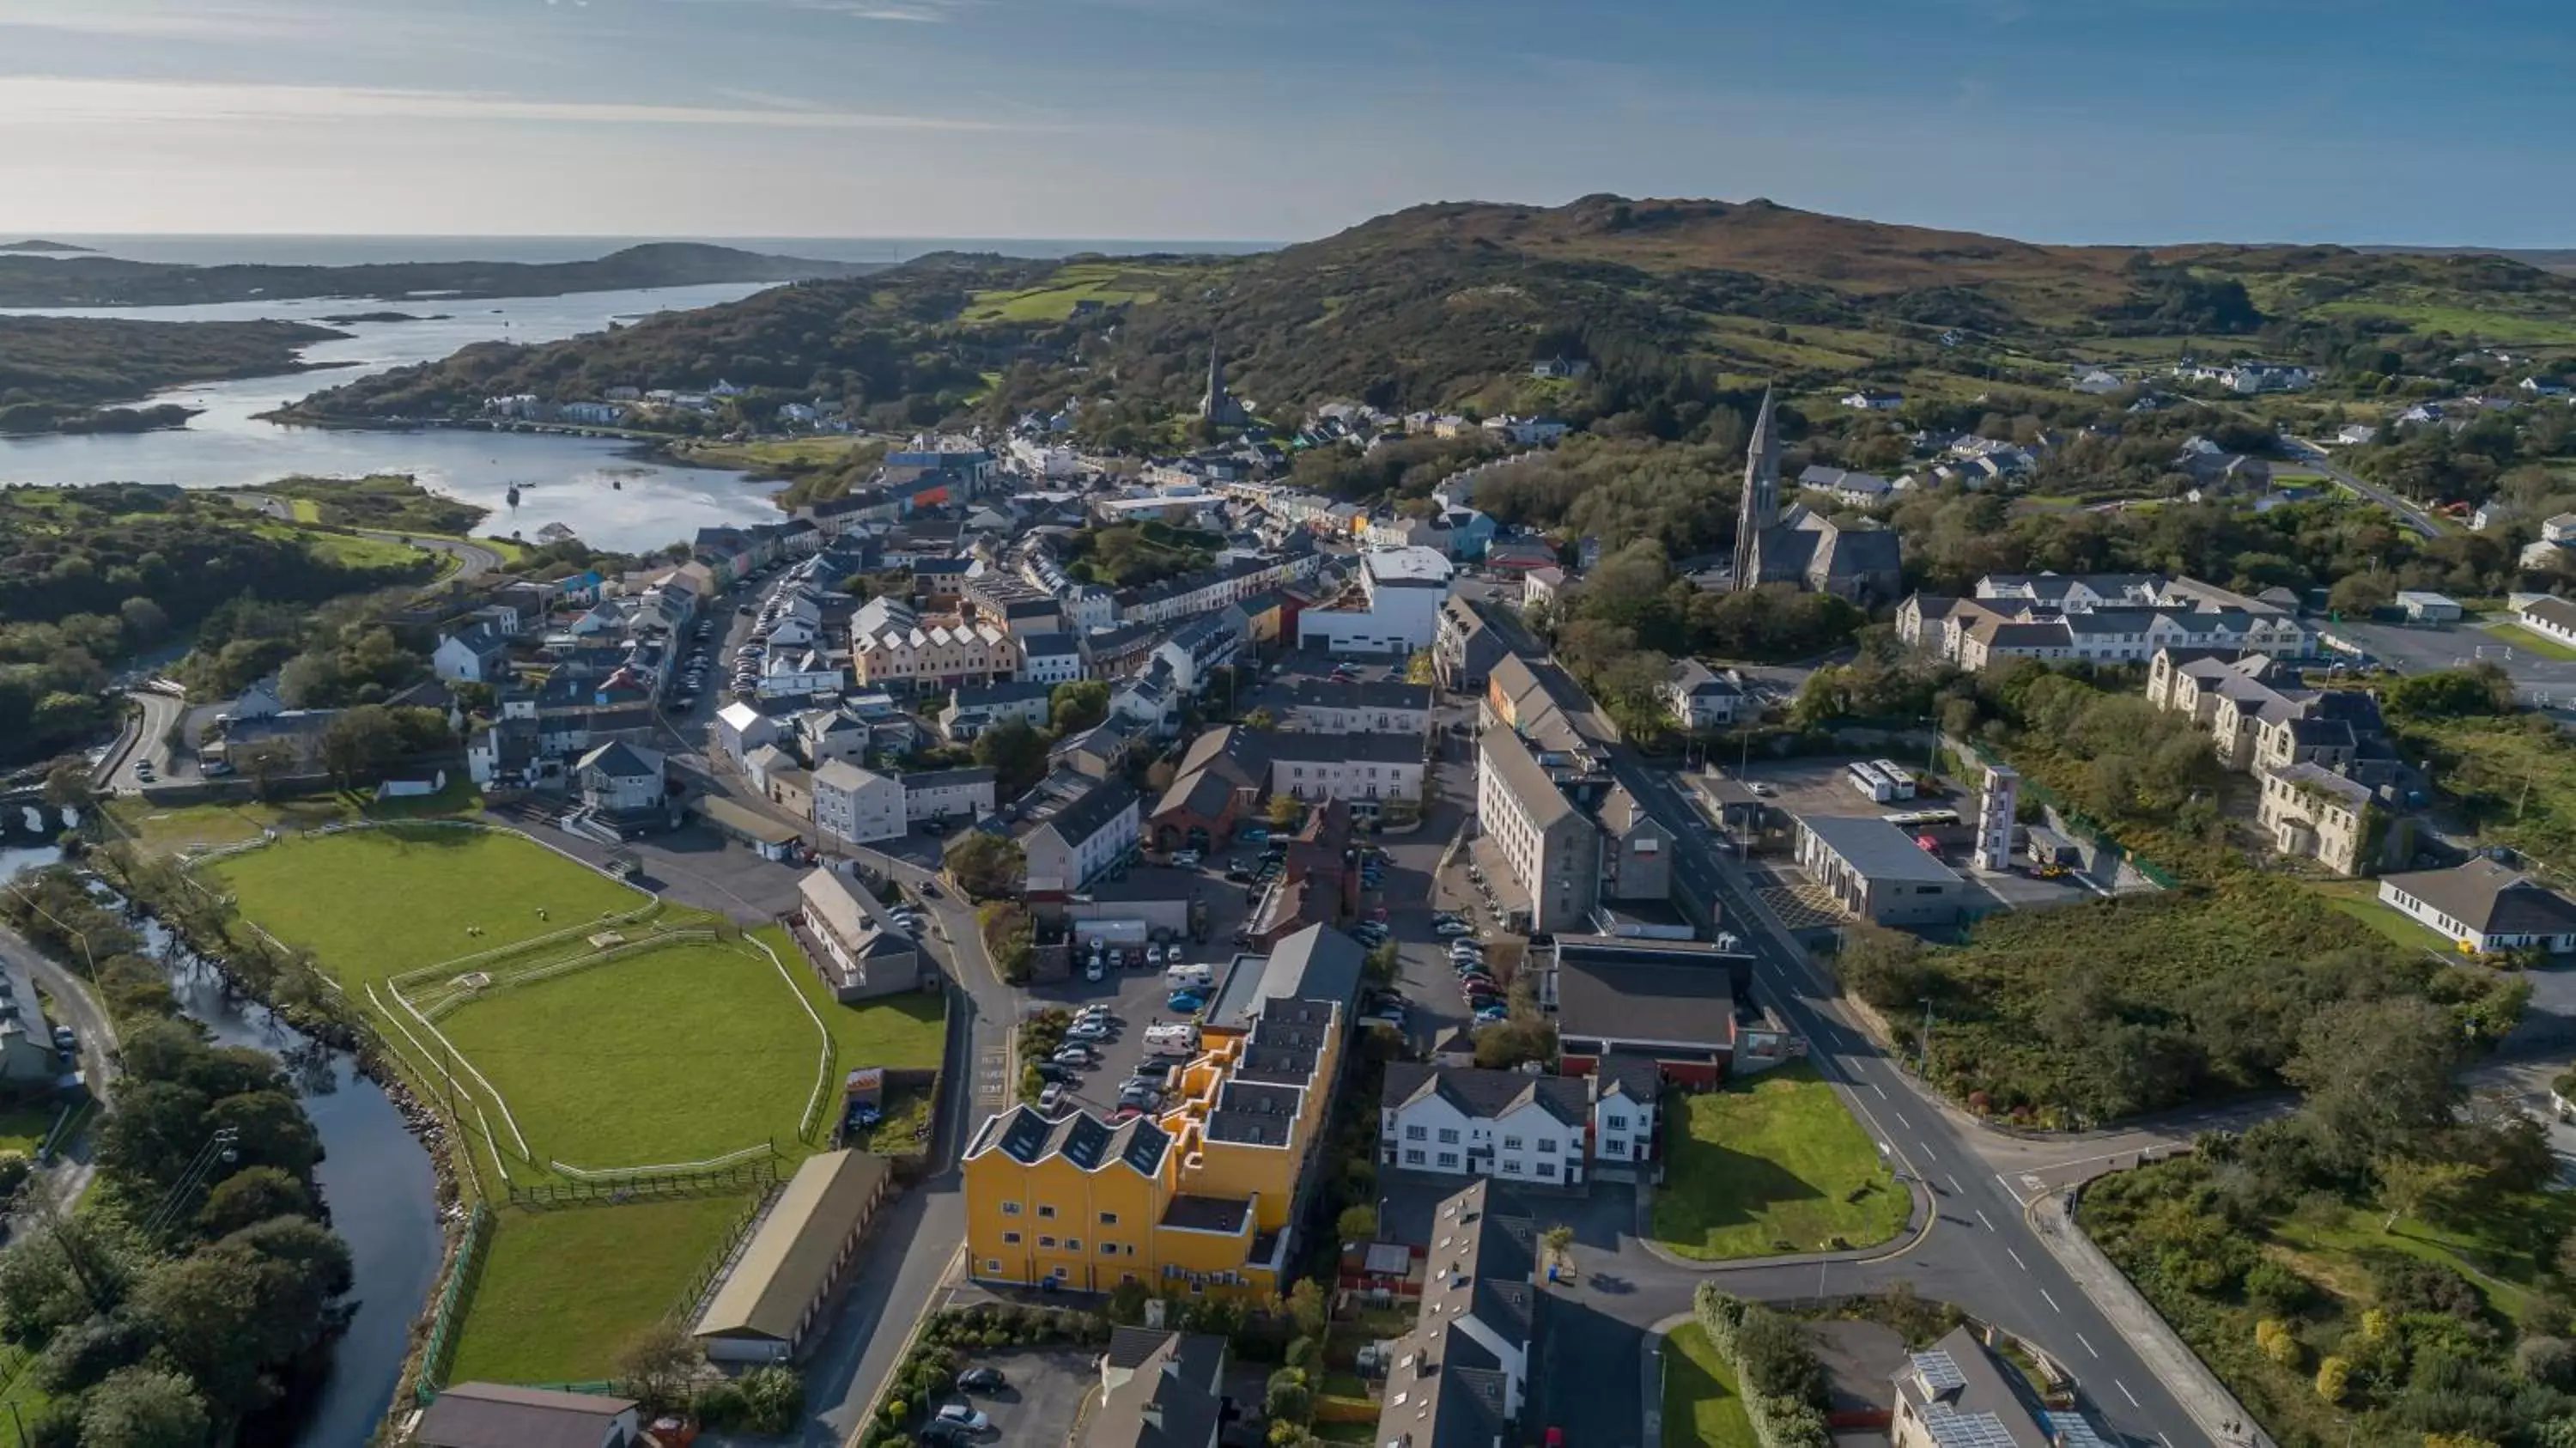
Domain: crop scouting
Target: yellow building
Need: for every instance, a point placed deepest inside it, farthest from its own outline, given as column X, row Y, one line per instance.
column 1199, row 1197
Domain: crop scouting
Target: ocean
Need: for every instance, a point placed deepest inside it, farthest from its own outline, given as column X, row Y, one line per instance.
column 213, row 250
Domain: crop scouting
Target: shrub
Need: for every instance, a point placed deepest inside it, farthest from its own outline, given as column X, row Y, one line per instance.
column 2277, row 1289
column 2333, row 1377
column 719, row 1405
column 773, row 1399
column 2410, row 1284
column 2278, row 1343
column 2548, row 1361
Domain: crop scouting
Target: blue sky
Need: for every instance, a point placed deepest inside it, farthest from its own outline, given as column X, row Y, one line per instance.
column 2053, row 120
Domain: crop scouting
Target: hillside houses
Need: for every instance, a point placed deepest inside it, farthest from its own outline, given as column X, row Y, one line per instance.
column 2099, row 618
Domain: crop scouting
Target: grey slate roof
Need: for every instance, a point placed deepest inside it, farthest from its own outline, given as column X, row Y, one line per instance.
column 2491, row 898
column 1488, row 1094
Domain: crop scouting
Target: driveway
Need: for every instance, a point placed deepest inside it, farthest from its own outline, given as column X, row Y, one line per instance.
column 1044, row 1394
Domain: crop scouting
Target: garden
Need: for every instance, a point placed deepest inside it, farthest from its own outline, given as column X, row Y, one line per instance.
column 1772, row 1164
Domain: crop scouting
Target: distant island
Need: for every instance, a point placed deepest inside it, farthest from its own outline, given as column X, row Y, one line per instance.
column 346, row 319
column 33, row 245
column 58, row 373
column 103, row 281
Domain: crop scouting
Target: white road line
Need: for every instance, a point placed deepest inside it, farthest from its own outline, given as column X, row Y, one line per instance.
column 1881, row 1090
column 2132, row 1397
column 2016, row 1256
column 1954, row 1186
column 2088, row 1347
column 2053, row 1307
column 1901, row 1121
column 1981, row 1216
column 1928, row 1151
column 2161, row 1438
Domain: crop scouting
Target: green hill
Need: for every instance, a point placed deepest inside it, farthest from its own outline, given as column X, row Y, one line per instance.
column 103, row 281
column 1677, row 303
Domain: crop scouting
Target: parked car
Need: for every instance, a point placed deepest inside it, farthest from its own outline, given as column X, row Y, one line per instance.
column 964, row 1417
column 1087, row 1031
column 1186, row 859
column 1094, row 972
column 1487, row 1015
column 981, row 1380
column 1452, row 928
column 1172, row 953
column 1052, row 1099
column 1073, row 1054
column 1188, row 1003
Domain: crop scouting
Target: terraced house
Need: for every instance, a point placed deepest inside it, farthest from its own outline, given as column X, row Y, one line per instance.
column 1201, row 1196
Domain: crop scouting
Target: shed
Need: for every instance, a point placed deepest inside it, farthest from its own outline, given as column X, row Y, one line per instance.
column 492, row 1415
column 2421, row 606
column 795, row 1259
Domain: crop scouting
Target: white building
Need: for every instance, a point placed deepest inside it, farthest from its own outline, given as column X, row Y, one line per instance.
column 2483, row 906
column 1363, row 769
column 1625, row 1090
column 740, row 729
column 1070, row 844
column 948, row 794
column 1325, row 706
column 2548, row 616
column 801, row 674
column 1463, row 1121
column 1403, row 588
column 1700, row 697
column 1050, row 658
column 857, row 805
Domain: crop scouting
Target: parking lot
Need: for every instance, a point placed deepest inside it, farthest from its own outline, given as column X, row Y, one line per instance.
column 1041, row 1396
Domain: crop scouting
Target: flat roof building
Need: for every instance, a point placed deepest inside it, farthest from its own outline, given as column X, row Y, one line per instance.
column 778, row 1287
column 1878, row 872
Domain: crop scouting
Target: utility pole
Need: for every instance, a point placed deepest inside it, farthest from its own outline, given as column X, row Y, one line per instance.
column 1927, row 1038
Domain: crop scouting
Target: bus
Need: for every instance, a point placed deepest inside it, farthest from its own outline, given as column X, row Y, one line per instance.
column 1898, row 776
column 1872, row 785
column 1923, row 819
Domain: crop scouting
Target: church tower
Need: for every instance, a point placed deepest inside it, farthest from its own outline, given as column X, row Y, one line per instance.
column 1760, row 510
column 1214, row 405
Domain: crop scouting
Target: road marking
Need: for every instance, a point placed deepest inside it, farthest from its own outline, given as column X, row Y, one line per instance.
column 2088, row 1347
column 2016, row 1256
column 2132, row 1397
column 2161, row 1438
column 1981, row 1216
column 1928, row 1151
column 2053, row 1307
column 1881, row 1090
column 1901, row 1121
column 1954, row 1186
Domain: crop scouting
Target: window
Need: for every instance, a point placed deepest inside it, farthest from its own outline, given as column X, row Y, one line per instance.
column 1511, row 1143
column 1449, row 1160
column 1010, row 1239
column 1413, row 1156
column 1010, row 1209
column 1449, row 1136
column 1547, row 1146
column 1615, row 1123
column 1108, row 1249
column 1109, row 1219
column 1073, row 1244
column 1046, row 1241
column 1045, row 1210
column 992, row 1264
column 1416, row 1133
column 1511, row 1166
column 1547, row 1169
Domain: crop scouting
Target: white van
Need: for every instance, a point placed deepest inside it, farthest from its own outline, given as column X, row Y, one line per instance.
column 1189, row 977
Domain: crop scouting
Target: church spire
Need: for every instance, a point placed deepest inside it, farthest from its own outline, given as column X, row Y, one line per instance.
column 1759, row 510
column 1214, row 405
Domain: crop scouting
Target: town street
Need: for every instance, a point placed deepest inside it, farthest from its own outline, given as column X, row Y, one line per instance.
column 1981, row 1252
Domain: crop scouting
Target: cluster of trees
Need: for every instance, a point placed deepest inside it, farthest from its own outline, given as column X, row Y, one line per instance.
column 2121, row 1006
column 393, row 502
column 1620, row 632
column 1407, row 467
column 199, row 1283
column 2399, row 1345
column 324, row 657
column 1124, row 555
column 88, row 575
column 1783, row 1383
column 2503, row 454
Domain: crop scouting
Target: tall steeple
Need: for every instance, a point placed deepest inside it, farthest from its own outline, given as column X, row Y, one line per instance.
column 1214, row 405
column 1760, row 509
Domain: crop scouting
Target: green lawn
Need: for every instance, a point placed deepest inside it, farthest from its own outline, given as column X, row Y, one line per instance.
column 173, row 829
column 1701, row 1401
column 901, row 1031
column 2360, row 900
column 1772, row 1164
column 2529, row 642
column 562, row 1292
column 679, row 1054
column 2434, row 316
column 2494, row 1253
column 24, row 1128
column 376, row 903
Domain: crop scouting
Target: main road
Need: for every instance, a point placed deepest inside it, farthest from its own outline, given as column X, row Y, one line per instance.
column 2415, row 519
column 1982, row 1252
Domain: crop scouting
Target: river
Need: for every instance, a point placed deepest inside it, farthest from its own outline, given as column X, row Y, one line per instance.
column 374, row 1177
column 594, row 486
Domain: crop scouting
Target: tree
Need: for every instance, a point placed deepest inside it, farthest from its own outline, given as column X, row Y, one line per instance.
column 773, row 1398
column 2377, row 1075
column 1381, row 964
column 1261, row 719
column 1356, row 1224
column 2361, row 594
column 2333, row 1377
column 1017, row 755
column 1285, row 811
column 252, row 1195
column 985, row 865
column 1306, row 1308
column 1078, row 705
column 141, row 1407
column 659, row 1364
column 67, row 784
column 2480, row 689
column 2425, row 1190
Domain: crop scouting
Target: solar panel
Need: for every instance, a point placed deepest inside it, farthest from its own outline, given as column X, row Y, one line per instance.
column 1968, row 1430
column 1940, row 1373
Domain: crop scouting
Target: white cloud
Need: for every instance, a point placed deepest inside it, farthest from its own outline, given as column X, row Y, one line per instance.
column 81, row 100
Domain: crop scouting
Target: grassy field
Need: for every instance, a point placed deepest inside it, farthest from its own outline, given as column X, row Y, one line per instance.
column 1108, row 283
column 2360, row 900
column 679, row 1054
column 375, row 903
column 778, row 454
column 203, row 826
column 2529, row 642
column 1701, row 1401
column 2515, row 777
column 900, row 1031
column 2334, row 1247
column 1772, row 1164
column 563, row 1291
column 2430, row 316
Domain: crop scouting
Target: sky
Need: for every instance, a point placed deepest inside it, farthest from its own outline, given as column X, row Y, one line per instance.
column 2354, row 121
